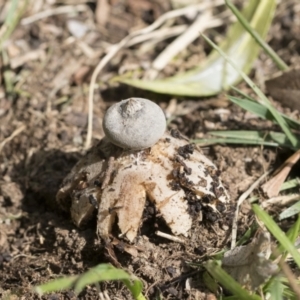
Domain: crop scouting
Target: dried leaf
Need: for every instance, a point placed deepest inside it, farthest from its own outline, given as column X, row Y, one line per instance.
column 290, row 211
column 250, row 265
column 102, row 12
column 272, row 187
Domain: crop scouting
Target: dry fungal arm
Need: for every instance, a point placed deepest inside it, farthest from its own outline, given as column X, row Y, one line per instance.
column 80, row 189
column 125, row 197
column 169, row 202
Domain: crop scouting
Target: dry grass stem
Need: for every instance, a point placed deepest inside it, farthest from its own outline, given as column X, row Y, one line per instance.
column 158, row 35
column 104, row 295
column 280, row 200
column 202, row 22
column 292, row 280
column 53, row 11
column 14, row 134
column 241, row 199
column 19, row 61
column 169, row 237
column 102, row 11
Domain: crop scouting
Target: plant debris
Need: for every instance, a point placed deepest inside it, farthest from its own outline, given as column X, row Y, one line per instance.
column 250, row 264
column 174, row 175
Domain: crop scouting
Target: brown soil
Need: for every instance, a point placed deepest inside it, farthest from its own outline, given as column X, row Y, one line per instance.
column 51, row 71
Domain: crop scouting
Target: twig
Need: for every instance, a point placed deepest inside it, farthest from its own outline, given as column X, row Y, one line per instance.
column 53, row 11
column 104, row 295
column 202, row 22
column 14, row 134
column 280, row 200
column 124, row 42
column 23, row 255
column 159, row 34
column 242, row 198
column 169, row 237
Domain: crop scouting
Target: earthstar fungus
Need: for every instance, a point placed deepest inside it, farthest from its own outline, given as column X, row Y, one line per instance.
column 136, row 161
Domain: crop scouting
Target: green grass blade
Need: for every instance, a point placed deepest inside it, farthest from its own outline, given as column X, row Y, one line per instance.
column 214, row 74
column 283, row 141
column 242, row 137
column 228, row 282
column 135, row 287
column 11, row 11
column 243, row 94
column 279, row 62
column 251, row 106
column 277, row 233
column 290, row 184
column 281, row 288
column 247, row 235
column 210, row 282
column 56, row 285
column 102, row 272
column 247, row 135
column 261, row 111
column 290, row 211
column 292, row 233
column 232, row 141
column 291, row 122
column 263, row 99
column 276, row 288
column 15, row 12
column 106, row 272
column 8, row 74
